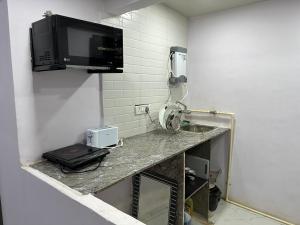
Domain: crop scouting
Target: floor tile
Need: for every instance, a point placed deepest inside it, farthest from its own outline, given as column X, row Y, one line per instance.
column 229, row 214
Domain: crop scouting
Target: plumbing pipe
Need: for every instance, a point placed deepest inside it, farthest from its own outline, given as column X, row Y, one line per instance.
column 232, row 133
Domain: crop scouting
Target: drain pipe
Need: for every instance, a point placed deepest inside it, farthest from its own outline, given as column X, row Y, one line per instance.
column 232, row 134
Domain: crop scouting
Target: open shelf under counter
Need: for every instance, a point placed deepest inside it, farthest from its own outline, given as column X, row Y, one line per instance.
column 193, row 187
column 197, row 219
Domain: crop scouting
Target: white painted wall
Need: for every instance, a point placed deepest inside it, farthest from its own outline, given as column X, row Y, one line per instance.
column 9, row 175
column 53, row 203
column 53, row 108
column 41, row 204
column 25, row 199
column 246, row 60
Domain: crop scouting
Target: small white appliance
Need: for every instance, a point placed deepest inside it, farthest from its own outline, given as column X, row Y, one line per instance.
column 178, row 56
column 102, row 137
column 179, row 61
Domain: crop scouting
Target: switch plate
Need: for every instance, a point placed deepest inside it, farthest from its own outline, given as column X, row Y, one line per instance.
column 141, row 109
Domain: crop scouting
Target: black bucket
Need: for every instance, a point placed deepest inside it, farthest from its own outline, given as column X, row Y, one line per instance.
column 214, row 198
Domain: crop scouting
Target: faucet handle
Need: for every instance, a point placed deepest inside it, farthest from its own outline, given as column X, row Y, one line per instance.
column 186, row 111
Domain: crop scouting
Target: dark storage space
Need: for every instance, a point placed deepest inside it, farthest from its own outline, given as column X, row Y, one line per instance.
column 214, row 198
column 197, row 186
column 191, row 187
column 205, row 179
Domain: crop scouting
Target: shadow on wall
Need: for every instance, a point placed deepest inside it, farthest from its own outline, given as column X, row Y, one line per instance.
column 58, row 96
column 53, row 89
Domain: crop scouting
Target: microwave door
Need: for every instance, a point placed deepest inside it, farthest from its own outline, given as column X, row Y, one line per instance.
column 91, row 48
column 102, row 50
column 78, row 51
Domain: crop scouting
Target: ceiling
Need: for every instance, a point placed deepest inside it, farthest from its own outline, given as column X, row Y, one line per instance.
column 191, row 8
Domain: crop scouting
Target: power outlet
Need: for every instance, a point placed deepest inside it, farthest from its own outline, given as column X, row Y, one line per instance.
column 141, row 109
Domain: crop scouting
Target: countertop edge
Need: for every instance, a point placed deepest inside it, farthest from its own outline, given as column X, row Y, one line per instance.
column 162, row 160
column 94, row 190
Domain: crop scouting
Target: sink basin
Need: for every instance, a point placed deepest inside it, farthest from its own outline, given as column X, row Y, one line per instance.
column 197, row 128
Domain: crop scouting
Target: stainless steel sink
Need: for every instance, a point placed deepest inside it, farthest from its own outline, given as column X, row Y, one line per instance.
column 197, row 128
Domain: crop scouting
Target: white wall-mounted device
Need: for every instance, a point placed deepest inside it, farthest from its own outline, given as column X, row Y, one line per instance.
column 102, row 137
column 178, row 57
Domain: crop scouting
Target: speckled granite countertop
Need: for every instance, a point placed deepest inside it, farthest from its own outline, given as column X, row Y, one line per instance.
column 137, row 154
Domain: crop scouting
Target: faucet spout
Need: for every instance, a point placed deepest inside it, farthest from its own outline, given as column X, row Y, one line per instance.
column 186, row 111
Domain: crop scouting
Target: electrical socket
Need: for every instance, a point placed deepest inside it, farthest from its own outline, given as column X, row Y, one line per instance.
column 141, row 109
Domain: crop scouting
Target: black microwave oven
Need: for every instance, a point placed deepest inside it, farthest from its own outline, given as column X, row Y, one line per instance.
column 59, row 42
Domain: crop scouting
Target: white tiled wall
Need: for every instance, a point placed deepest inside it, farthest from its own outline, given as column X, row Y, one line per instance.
column 148, row 35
